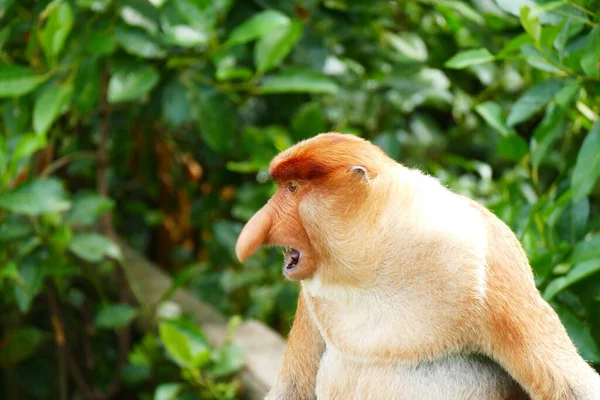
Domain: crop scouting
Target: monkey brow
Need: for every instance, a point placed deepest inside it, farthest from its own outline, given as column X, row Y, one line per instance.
column 301, row 167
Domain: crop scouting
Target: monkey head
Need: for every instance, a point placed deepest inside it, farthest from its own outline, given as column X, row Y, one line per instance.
column 318, row 211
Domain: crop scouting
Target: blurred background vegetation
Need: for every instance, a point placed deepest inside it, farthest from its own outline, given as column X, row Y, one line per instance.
column 153, row 122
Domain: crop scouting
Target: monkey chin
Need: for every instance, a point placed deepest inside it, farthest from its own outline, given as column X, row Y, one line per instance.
column 297, row 265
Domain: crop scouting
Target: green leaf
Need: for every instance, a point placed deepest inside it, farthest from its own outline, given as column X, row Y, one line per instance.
column 168, row 391
column 216, row 119
column 534, row 58
column 580, row 333
column 298, row 82
column 546, row 133
column 389, row 143
column 35, row 198
column 465, row 10
column 32, row 274
column 185, row 343
column 512, row 147
column 468, row 58
column 533, row 100
column 49, row 105
column 580, row 214
column 200, row 15
column 408, row 44
column 590, row 59
column 20, row 344
column 586, row 250
column 515, row 44
column 226, row 73
column 548, row 37
column 492, row 114
column 93, row 247
column 227, row 359
column 531, row 22
column 587, row 167
column 175, row 106
column 139, row 43
column 579, row 272
column 99, row 6
column 87, row 85
column 308, row 121
column 4, row 35
column 27, row 145
column 176, row 344
column 13, row 228
column 186, row 36
column 5, row 6
column 225, row 234
column 136, row 374
column 560, row 42
column 115, row 316
column 17, row 81
column 158, row 3
column 87, row 208
column 140, row 17
column 56, row 30
column 271, row 49
column 100, row 42
column 568, row 94
column 127, row 84
column 514, row 7
column 9, row 271
column 258, row 26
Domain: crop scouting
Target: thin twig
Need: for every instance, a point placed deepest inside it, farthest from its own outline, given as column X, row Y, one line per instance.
column 581, row 8
column 102, row 185
column 87, row 331
column 61, row 162
column 123, row 338
column 61, row 340
column 61, row 354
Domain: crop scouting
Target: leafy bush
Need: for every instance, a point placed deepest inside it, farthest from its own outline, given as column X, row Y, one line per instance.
column 157, row 120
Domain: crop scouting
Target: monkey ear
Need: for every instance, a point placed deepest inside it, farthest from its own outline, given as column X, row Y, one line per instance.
column 361, row 171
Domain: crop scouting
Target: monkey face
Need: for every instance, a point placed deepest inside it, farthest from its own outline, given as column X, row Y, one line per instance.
column 278, row 223
column 324, row 185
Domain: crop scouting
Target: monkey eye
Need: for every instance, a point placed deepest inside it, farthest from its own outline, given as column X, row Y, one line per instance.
column 292, row 187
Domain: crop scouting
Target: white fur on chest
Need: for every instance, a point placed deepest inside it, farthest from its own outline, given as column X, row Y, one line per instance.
column 449, row 378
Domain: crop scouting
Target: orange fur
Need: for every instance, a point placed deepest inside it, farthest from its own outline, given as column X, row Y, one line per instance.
column 402, row 281
column 309, row 160
column 298, row 379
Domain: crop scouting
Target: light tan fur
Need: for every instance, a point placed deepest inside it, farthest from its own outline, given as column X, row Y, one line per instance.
column 409, row 291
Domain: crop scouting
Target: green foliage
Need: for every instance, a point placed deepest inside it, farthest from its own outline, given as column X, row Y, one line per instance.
column 115, row 316
column 160, row 118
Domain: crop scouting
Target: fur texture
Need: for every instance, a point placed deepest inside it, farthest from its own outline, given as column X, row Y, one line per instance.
column 409, row 291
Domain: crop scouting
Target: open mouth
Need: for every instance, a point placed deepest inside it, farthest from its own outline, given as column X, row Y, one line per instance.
column 291, row 258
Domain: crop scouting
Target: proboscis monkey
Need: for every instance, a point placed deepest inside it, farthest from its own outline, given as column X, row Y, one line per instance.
column 409, row 291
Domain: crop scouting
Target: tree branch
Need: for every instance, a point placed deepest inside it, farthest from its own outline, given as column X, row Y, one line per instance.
column 61, row 341
column 107, row 227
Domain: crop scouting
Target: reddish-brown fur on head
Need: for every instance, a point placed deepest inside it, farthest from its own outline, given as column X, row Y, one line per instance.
column 320, row 156
column 318, row 166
